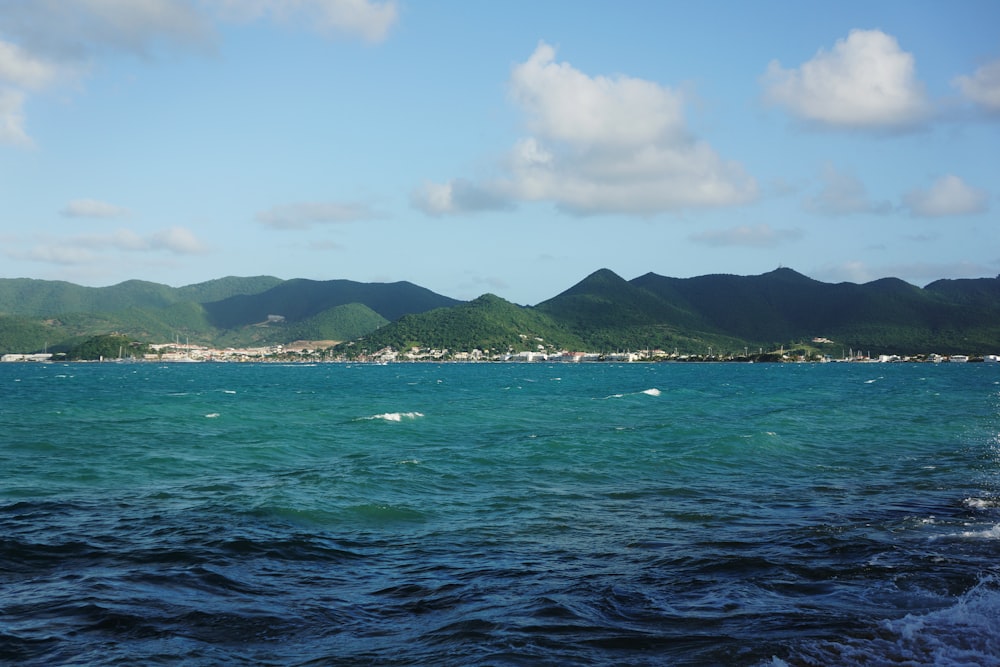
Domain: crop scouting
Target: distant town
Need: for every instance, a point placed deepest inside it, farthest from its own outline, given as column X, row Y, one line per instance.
column 303, row 351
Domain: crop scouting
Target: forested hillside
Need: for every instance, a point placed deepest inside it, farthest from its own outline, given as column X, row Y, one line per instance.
column 602, row 313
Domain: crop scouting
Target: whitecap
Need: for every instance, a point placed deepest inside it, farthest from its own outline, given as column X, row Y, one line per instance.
column 981, row 503
column 651, row 392
column 212, row 415
column 986, row 534
column 967, row 632
column 396, row 416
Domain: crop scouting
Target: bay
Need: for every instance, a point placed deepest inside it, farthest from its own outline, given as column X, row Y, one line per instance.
column 500, row 514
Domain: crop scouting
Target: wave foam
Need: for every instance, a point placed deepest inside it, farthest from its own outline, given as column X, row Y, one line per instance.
column 981, row 503
column 653, row 391
column 986, row 534
column 396, row 416
column 964, row 633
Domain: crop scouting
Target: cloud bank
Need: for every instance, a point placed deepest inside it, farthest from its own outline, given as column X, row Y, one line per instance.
column 47, row 42
column 98, row 248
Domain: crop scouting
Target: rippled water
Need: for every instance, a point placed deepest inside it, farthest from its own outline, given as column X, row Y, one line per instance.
column 500, row 514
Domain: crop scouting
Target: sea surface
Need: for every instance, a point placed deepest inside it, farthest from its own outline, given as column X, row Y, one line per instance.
column 500, row 514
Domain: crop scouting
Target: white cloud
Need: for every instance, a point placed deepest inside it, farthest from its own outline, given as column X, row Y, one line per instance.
column 843, row 193
column 12, row 118
column 102, row 248
column 760, row 236
column 47, row 42
column 947, row 196
column 983, row 87
column 865, row 82
column 91, row 208
column 564, row 104
column 178, row 240
column 302, row 215
column 460, row 196
column 598, row 145
column 25, row 70
column 369, row 19
column 74, row 30
column 64, row 254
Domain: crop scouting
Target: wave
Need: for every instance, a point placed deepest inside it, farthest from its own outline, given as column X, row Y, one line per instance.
column 981, row 503
column 652, row 391
column 396, row 416
column 966, row 632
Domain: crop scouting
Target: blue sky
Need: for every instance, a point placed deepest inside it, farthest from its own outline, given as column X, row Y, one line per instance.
column 506, row 147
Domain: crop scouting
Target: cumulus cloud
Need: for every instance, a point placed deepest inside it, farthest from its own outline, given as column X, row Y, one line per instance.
column 598, row 144
column 866, row 82
column 983, row 87
column 302, row 215
column 843, row 193
column 947, row 196
column 91, row 208
column 759, row 236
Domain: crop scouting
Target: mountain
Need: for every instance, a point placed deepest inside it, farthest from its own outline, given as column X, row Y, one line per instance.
column 486, row 323
column 231, row 311
column 300, row 299
column 727, row 313
column 39, row 298
column 602, row 312
column 784, row 305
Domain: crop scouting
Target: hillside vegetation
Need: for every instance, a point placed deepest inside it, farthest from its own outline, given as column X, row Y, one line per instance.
column 601, row 313
column 38, row 315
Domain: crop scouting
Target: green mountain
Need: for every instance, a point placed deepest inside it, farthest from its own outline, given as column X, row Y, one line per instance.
column 602, row 313
column 721, row 313
column 42, row 298
column 887, row 314
column 300, row 299
column 339, row 323
column 232, row 311
column 609, row 313
column 486, row 323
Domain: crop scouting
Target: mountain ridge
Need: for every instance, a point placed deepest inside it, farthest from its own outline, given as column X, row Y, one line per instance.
column 603, row 311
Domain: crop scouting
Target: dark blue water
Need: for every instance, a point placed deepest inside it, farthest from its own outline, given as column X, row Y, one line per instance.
column 500, row 514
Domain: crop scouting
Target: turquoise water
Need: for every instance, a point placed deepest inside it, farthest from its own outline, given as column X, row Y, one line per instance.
column 500, row 514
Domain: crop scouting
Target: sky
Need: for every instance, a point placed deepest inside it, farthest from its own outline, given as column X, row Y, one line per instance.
column 505, row 147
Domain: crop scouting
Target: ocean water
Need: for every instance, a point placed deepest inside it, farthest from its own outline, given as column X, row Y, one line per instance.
column 500, row 514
